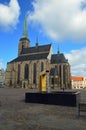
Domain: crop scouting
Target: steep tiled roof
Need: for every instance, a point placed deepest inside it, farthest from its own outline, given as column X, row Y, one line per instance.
column 33, row 53
column 58, row 58
column 76, row 78
column 44, row 48
column 30, row 57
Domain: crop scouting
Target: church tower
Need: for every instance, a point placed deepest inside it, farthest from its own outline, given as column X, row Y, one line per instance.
column 24, row 41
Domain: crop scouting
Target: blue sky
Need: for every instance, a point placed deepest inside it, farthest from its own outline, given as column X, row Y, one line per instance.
column 58, row 22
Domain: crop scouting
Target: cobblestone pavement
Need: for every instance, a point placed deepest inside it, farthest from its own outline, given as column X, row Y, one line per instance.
column 15, row 114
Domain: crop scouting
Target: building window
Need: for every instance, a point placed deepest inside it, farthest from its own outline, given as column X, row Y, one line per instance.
column 42, row 66
column 52, row 81
column 60, row 71
column 64, row 74
column 22, row 45
column 26, row 72
column 10, row 82
column 19, row 69
column 34, row 73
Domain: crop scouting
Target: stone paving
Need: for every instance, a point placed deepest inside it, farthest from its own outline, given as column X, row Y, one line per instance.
column 15, row 114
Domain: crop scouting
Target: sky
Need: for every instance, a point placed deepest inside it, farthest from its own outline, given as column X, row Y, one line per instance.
column 59, row 22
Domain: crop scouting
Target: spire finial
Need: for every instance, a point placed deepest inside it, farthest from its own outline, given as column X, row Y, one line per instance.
column 25, row 31
column 58, row 49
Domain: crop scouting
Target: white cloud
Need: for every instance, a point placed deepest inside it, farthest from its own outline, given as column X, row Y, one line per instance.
column 9, row 14
column 77, row 60
column 61, row 19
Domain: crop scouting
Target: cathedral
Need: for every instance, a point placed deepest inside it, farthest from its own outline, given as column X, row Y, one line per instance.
column 25, row 70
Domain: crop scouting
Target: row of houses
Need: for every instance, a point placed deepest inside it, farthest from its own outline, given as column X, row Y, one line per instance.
column 78, row 82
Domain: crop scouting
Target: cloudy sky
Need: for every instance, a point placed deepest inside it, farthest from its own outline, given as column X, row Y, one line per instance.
column 60, row 22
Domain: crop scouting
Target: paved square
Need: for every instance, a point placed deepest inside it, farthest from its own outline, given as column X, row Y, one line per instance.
column 15, row 114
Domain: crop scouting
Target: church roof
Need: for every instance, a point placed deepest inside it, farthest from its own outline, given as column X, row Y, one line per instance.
column 36, row 49
column 58, row 58
column 30, row 57
column 33, row 53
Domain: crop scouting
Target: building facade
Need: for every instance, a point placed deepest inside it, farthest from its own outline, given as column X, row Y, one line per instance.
column 2, row 77
column 84, row 82
column 24, row 71
column 78, row 82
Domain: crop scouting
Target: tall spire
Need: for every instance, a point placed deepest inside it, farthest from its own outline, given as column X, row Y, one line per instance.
column 25, row 31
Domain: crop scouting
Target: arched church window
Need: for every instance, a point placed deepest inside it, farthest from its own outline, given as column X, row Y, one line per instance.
column 60, row 71
column 26, row 72
column 42, row 66
column 19, row 69
column 34, row 73
column 10, row 82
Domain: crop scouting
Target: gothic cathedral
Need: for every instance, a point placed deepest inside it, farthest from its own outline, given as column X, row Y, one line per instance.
column 24, row 71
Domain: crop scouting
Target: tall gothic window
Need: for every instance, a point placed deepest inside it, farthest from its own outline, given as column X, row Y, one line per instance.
column 34, row 73
column 19, row 69
column 22, row 46
column 64, row 74
column 26, row 72
column 52, row 80
column 60, row 71
column 42, row 66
